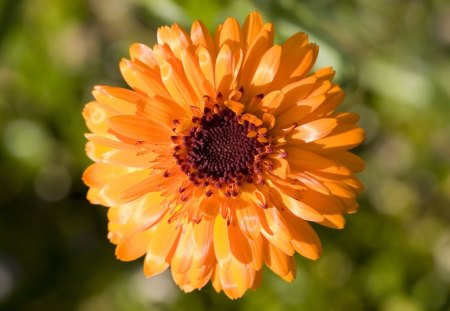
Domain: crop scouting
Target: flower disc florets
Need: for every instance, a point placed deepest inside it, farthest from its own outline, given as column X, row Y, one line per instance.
column 222, row 149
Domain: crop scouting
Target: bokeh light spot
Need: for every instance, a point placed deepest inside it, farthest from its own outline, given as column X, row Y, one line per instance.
column 27, row 141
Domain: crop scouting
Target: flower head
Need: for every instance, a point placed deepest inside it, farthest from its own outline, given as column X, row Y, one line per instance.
column 221, row 154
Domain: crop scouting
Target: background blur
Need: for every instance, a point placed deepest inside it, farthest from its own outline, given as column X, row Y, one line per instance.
column 391, row 56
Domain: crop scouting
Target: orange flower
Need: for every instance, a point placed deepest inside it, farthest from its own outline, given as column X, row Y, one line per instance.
column 223, row 152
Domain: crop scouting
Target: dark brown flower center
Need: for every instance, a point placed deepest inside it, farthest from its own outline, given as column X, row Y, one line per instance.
column 222, row 149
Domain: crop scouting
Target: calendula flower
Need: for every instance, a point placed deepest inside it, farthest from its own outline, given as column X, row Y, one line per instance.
column 220, row 156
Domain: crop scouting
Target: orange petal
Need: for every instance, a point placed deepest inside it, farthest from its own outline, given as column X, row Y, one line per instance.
column 128, row 158
column 301, row 160
column 188, row 281
column 142, row 213
column 268, row 120
column 235, row 106
column 199, row 277
column 284, row 245
column 248, row 221
column 326, row 73
column 209, row 205
column 311, row 183
column 135, row 246
column 228, row 33
column 280, row 263
column 260, row 45
column 206, row 63
column 182, row 258
column 140, row 129
column 109, row 142
column 333, row 221
column 348, row 137
column 296, row 206
column 304, row 239
column 200, row 36
column 297, row 112
column 160, row 110
column 95, row 151
column 272, row 101
column 195, row 75
column 352, row 161
column 216, row 279
column 176, row 83
column 112, row 191
column 161, row 247
column 257, row 248
column 267, row 68
column 95, row 116
column 239, row 244
column 175, row 37
column 324, row 204
column 340, row 189
column 221, row 240
column 202, row 239
column 121, row 101
column 251, row 28
column 258, row 279
column 314, row 130
column 150, row 183
column 297, row 58
column 277, row 224
column 280, row 167
column 294, row 93
column 227, row 65
column 144, row 54
column 236, row 279
column 141, row 79
column 347, row 117
column 98, row 174
column 322, row 87
column 335, row 96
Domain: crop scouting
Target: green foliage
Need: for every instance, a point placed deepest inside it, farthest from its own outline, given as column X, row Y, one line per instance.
column 391, row 59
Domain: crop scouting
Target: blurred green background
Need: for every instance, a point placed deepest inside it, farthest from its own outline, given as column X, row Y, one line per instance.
column 392, row 58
